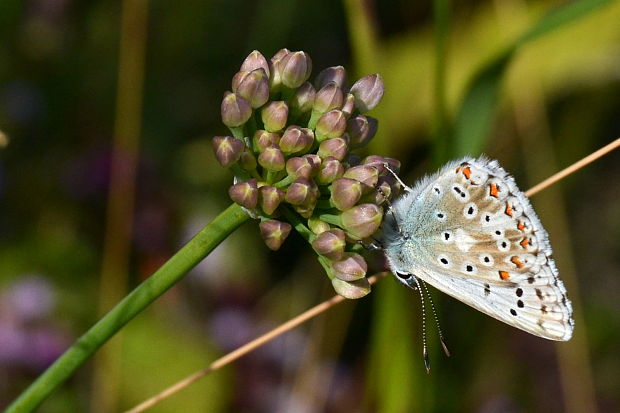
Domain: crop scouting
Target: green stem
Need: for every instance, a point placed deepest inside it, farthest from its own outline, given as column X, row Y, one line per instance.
column 299, row 226
column 144, row 294
column 331, row 219
column 284, row 182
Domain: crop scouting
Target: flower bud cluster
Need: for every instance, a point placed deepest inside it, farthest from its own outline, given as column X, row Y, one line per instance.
column 290, row 153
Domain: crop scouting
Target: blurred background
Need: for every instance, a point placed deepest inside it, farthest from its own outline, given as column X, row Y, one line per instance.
column 81, row 81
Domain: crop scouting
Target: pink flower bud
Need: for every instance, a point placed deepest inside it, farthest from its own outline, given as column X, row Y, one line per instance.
column 274, row 233
column 345, row 193
column 331, row 125
column 227, row 149
column 245, row 193
column 361, row 221
column 255, row 60
column 351, row 267
column 272, row 159
column 361, row 130
column 336, row 74
column 351, row 289
column 330, row 244
column 330, row 169
column 270, row 198
column 336, row 148
column 296, row 139
column 252, row 86
column 263, row 139
column 368, row 175
column 327, row 98
column 274, row 115
column 368, row 91
column 295, row 68
column 235, row 110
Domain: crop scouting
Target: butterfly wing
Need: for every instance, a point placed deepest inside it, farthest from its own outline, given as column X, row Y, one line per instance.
column 471, row 233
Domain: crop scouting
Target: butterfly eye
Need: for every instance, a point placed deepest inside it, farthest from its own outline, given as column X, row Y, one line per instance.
column 403, row 275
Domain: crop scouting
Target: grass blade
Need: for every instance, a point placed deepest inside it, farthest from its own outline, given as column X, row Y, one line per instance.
column 480, row 102
column 165, row 277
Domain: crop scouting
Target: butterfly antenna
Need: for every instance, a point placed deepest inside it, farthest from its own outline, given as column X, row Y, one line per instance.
column 387, row 167
column 430, row 298
column 427, row 362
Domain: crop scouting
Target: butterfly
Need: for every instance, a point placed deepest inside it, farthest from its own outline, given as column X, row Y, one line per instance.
column 471, row 233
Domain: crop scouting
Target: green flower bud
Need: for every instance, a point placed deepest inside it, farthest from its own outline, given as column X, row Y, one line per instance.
column 255, row 60
column 366, row 174
column 361, row 221
column 327, row 98
column 269, row 198
column 245, row 193
column 331, row 125
column 247, row 160
column 330, row 244
column 368, row 91
column 263, row 139
column 361, row 130
column 296, row 139
column 252, row 86
column 227, row 149
column 330, row 170
column 317, row 225
column 349, row 105
column 303, row 191
column 298, row 167
column 336, row 74
column 336, row 147
column 235, row 110
column 351, row 289
column 295, row 68
column 274, row 115
column 351, row 267
column 303, row 99
column 274, row 233
column 272, row 159
column 345, row 192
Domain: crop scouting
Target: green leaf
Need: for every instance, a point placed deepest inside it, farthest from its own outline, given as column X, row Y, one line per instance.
column 165, row 277
column 478, row 107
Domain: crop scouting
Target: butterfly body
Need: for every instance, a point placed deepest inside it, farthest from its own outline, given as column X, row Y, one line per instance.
column 471, row 233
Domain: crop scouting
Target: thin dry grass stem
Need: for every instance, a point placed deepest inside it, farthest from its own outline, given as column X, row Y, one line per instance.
column 247, row 348
column 326, row 305
column 573, row 168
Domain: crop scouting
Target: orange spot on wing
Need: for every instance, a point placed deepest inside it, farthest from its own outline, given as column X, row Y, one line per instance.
column 508, row 210
column 504, row 275
column 467, row 172
column 458, row 169
column 493, row 191
column 524, row 242
column 515, row 260
column 520, row 226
